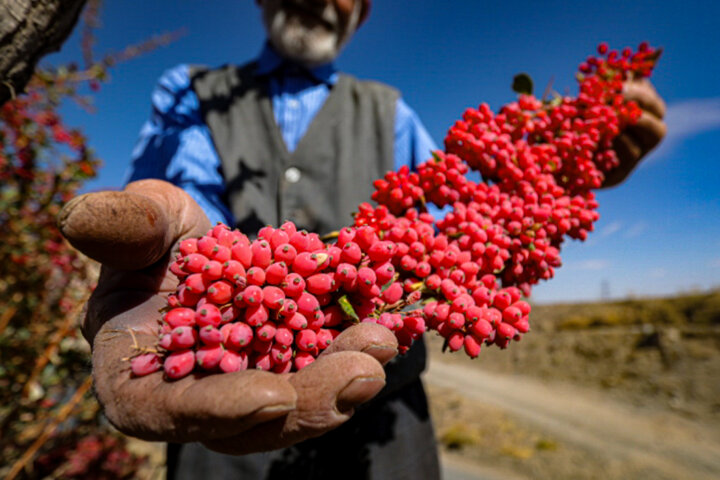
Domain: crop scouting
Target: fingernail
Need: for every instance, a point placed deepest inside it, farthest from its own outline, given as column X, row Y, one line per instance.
column 358, row 391
column 271, row 409
column 382, row 353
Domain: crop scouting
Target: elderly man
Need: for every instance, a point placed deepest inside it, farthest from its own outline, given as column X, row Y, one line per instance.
column 283, row 137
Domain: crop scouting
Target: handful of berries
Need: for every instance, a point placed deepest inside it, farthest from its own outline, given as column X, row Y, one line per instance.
column 276, row 302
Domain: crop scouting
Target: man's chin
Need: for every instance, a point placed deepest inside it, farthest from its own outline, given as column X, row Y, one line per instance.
column 307, row 48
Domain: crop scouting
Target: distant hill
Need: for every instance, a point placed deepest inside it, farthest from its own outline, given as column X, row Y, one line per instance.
column 697, row 309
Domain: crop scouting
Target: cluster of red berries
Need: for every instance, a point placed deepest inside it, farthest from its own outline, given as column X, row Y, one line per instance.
column 276, row 302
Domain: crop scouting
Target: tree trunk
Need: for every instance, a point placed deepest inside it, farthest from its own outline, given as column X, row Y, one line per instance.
column 29, row 29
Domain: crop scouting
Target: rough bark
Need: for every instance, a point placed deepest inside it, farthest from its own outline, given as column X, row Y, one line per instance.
column 29, row 29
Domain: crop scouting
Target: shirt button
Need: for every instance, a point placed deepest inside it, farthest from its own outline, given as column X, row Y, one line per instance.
column 292, row 103
column 292, row 175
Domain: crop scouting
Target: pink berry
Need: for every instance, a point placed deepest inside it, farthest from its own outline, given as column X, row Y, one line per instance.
column 320, row 283
column 219, row 292
column 212, row 270
column 252, row 295
column 297, row 322
column 276, row 273
column 179, row 364
column 351, row 253
column 302, row 360
column 208, row 314
column 307, row 304
column 280, row 354
column 145, row 364
column 183, row 337
column 285, row 253
column 206, row 245
column 256, row 315
column 472, row 346
column 305, row 264
column 239, row 336
column 306, row 340
column 284, row 336
column 242, row 253
column 266, row 331
column 505, row 330
column 210, row 335
column 293, row 285
column 256, row 275
column 195, row 262
column 208, row 357
column 456, row 341
column 261, row 253
column 273, row 297
column 188, row 246
column 233, row 271
column 324, row 338
column 233, row 361
column 179, row 317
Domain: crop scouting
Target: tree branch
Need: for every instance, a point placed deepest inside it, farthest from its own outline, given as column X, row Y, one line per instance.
column 30, row 29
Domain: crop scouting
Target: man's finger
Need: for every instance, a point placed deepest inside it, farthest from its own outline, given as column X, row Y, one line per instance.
column 647, row 132
column 629, row 154
column 643, row 92
column 371, row 338
column 327, row 392
column 132, row 229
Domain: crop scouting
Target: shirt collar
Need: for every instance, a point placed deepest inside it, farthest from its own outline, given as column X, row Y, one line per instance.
column 270, row 62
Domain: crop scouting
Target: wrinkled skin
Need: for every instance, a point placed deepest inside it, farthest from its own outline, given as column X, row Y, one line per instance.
column 637, row 140
column 133, row 234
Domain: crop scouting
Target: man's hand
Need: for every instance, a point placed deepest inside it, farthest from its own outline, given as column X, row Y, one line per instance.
column 134, row 234
column 637, row 140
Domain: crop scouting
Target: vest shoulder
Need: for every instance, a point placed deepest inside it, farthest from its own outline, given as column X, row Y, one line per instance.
column 206, row 79
column 373, row 87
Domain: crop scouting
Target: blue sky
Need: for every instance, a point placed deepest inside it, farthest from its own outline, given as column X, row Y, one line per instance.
column 659, row 232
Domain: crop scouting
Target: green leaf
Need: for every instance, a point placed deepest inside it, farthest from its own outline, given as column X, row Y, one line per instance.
column 522, row 83
column 347, row 308
column 390, row 282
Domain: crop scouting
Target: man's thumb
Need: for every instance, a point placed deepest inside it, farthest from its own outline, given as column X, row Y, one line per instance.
column 132, row 229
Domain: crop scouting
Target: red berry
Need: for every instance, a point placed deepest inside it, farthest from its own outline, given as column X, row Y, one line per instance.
column 179, row 364
column 239, row 336
column 472, row 346
column 293, row 285
column 305, row 264
column 145, row 364
column 273, row 297
column 179, row 317
column 303, row 359
column 256, row 315
column 233, row 361
column 208, row 357
column 208, row 314
column 261, row 253
column 219, row 292
column 320, row 284
column 210, row 335
column 183, row 337
column 252, row 295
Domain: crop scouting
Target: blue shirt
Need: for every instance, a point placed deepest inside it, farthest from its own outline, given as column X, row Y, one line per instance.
column 175, row 144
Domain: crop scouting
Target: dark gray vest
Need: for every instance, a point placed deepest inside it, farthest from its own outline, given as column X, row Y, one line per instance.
column 349, row 144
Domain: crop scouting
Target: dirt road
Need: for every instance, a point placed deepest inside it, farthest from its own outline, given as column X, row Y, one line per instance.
column 660, row 444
